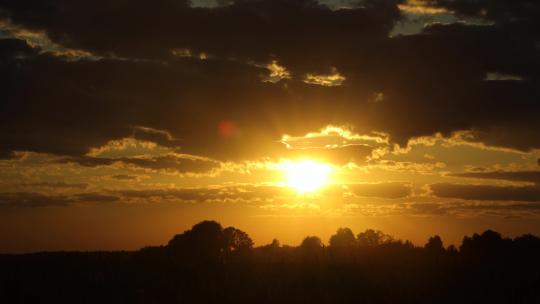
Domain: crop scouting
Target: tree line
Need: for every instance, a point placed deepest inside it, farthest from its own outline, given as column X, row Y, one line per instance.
column 212, row 264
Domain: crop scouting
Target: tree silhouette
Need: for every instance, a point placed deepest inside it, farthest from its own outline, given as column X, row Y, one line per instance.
column 236, row 239
column 208, row 241
column 344, row 238
column 372, row 237
column 488, row 244
column 209, row 264
column 275, row 244
column 434, row 244
column 203, row 242
column 311, row 243
column 311, row 248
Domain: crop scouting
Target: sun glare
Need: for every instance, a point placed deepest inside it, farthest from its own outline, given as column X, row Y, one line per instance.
column 306, row 176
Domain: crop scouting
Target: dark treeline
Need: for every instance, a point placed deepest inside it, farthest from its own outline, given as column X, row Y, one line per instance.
column 209, row 264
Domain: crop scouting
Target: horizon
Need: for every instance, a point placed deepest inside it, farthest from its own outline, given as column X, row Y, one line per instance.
column 295, row 241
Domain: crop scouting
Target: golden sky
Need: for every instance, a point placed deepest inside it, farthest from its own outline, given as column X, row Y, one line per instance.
column 144, row 193
column 412, row 117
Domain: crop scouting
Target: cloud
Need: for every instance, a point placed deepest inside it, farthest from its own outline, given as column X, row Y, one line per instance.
column 11, row 49
column 276, row 72
column 524, row 176
column 216, row 194
column 512, row 13
column 381, row 190
column 172, row 163
column 95, row 198
column 502, row 209
column 421, row 7
column 87, row 161
column 327, row 80
column 160, row 137
column 239, row 193
column 57, row 185
column 34, row 199
column 486, row 192
column 493, row 76
column 300, row 24
column 125, row 177
column 140, row 89
column 40, row 42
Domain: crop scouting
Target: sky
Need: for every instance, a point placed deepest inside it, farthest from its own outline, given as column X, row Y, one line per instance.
column 124, row 122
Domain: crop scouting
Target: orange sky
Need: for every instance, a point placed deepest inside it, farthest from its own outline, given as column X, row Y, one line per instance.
column 282, row 118
column 125, row 206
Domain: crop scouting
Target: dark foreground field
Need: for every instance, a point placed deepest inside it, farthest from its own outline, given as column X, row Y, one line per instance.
column 208, row 264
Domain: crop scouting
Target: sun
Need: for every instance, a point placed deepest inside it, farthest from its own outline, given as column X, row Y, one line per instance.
column 306, row 176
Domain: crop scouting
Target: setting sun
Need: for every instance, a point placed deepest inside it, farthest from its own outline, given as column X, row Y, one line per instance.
column 306, row 176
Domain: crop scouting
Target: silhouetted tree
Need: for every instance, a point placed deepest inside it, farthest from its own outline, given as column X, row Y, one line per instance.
column 236, row 239
column 527, row 242
column 311, row 243
column 434, row 244
column 452, row 249
column 311, row 248
column 372, row 237
column 344, row 238
column 275, row 244
column 342, row 244
column 489, row 243
column 208, row 264
column 205, row 241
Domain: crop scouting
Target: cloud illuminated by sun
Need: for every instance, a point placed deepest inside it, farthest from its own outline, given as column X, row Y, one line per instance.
column 306, row 176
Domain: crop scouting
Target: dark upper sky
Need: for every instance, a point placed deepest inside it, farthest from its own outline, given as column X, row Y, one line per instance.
column 123, row 95
column 434, row 81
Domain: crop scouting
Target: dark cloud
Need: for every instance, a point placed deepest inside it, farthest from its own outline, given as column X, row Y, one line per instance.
column 172, row 163
column 433, row 66
column 34, row 199
column 504, row 207
column 428, row 208
column 189, row 98
column 166, row 162
column 87, row 161
column 504, row 13
column 501, row 209
column 67, row 107
column 15, row 49
column 249, row 193
column 381, row 190
column 524, row 176
column 4, row 154
column 485, row 192
column 160, row 137
column 285, row 29
column 58, row 185
column 95, row 198
column 242, row 192
column 125, row 177
column 262, row 193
